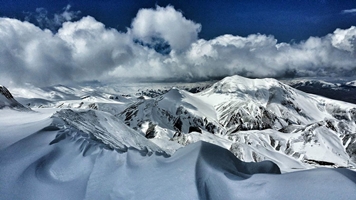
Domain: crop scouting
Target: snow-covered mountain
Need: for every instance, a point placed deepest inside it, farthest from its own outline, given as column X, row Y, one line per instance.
column 8, row 101
column 298, row 125
column 227, row 141
column 305, row 123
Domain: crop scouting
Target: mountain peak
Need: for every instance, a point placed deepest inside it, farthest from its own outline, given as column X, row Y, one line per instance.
column 174, row 93
column 7, row 100
column 233, row 84
column 5, row 92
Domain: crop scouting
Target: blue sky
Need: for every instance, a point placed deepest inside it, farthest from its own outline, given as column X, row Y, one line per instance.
column 287, row 20
column 51, row 42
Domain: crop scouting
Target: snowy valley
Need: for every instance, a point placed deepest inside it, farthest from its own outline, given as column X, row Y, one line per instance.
column 209, row 140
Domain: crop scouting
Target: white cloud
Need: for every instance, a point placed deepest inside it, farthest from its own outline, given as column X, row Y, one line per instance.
column 166, row 23
column 45, row 21
column 65, row 16
column 345, row 39
column 349, row 11
column 87, row 50
column 29, row 54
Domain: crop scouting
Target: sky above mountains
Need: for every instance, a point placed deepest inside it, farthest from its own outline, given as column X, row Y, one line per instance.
column 286, row 20
column 49, row 42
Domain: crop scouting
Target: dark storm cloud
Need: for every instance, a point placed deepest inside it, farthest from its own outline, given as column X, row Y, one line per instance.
column 87, row 50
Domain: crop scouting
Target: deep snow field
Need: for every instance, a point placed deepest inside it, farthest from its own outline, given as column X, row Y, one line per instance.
column 237, row 138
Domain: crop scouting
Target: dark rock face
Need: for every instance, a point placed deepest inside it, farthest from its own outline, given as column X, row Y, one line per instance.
column 194, row 129
column 4, row 91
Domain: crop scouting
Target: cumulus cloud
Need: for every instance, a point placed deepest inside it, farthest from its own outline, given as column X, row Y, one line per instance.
column 345, row 39
column 87, row 50
column 165, row 23
column 29, row 54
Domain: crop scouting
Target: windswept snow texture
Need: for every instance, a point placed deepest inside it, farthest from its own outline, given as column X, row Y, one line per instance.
column 56, row 162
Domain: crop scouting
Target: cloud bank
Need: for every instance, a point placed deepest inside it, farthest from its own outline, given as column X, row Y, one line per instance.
column 87, row 50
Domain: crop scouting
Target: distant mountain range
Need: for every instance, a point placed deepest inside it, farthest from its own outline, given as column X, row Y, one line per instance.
column 340, row 90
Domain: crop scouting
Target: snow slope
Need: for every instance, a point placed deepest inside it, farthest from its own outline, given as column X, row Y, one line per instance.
column 51, row 162
column 105, row 127
column 176, row 110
